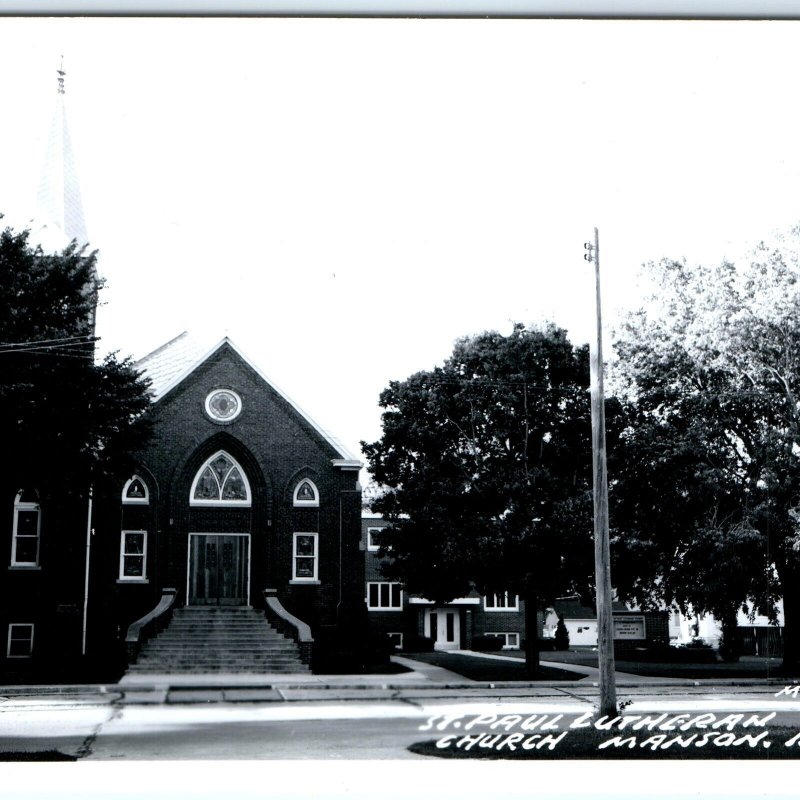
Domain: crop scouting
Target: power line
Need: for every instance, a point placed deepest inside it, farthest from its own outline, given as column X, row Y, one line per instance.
column 51, row 349
column 87, row 338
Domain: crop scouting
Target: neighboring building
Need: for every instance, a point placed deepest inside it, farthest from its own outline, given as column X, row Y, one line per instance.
column 629, row 625
column 451, row 626
column 758, row 636
column 42, row 595
column 579, row 620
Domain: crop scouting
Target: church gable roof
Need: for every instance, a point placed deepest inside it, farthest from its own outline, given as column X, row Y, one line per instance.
column 167, row 365
column 172, row 363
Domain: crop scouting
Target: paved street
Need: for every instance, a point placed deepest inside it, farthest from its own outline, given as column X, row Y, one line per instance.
column 366, row 722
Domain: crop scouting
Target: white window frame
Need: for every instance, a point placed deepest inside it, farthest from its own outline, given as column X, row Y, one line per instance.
column 13, row 625
column 305, row 503
column 135, row 501
column 506, row 600
column 505, row 636
column 295, row 556
column 20, row 505
column 380, row 607
column 122, row 554
column 373, row 548
column 246, row 503
column 210, row 411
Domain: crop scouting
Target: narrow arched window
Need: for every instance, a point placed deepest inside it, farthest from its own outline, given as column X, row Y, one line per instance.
column 220, row 481
column 306, row 494
column 135, row 492
column 27, row 528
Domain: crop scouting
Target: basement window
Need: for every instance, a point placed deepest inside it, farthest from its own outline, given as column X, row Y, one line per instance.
column 20, row 640
column 510, row 640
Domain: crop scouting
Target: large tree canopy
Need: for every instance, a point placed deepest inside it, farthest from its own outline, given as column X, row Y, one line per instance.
column 706, row 482
column 65, row 421
column 486, row 468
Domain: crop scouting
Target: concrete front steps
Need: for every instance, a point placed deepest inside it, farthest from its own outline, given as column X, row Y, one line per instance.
column 209, row 639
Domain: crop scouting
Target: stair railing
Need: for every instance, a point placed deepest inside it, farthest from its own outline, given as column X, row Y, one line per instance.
column 288, row 624
column 150, row 624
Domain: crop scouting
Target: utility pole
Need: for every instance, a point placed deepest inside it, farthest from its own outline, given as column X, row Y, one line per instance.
column 602, row 559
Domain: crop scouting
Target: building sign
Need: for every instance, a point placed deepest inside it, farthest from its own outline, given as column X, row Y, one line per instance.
column 628, row 626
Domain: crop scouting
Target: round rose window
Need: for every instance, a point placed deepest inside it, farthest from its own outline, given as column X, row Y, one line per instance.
column 223, row 405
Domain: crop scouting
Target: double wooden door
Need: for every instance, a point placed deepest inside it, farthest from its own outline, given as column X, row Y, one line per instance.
column 219, row 569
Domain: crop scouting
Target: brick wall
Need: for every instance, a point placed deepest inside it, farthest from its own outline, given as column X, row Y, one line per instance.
column 276, row 448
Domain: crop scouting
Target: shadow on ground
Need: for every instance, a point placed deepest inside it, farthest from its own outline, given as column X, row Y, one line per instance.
column 477, row 668
column 42, row 755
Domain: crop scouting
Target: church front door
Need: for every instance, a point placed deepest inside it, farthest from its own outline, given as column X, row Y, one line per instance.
column 219, row 569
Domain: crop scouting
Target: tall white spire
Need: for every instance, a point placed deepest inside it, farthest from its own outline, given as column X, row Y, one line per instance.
column 59, row 210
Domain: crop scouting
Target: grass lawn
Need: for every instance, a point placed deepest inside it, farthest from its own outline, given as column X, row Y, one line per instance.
column 485, row 669
column 745, row 667
column 584, row 744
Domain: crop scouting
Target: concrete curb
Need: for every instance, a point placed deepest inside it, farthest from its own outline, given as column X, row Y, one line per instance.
column 111, row 692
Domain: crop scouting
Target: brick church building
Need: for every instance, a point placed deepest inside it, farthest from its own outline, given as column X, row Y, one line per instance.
column 242, row 519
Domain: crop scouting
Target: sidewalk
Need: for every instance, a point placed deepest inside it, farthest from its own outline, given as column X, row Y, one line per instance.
column 423, row 682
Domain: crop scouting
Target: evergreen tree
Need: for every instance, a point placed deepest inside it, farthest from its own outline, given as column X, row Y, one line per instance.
column 562, row 634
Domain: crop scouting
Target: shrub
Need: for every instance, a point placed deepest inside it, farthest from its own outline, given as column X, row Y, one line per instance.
column 341, row 651
column 730, row 645
column 488, row 643
column 694, row 653
column 414, row 643
column 562, row 634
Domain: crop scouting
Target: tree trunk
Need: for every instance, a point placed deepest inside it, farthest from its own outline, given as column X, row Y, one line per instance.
column 531, row 628
column 730, row 646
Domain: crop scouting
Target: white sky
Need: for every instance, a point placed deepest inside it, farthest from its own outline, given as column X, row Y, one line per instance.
column 345, row 198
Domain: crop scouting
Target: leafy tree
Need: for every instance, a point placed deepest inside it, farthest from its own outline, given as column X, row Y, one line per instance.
column 486, row 468
column 66, row 422
column 706, row 496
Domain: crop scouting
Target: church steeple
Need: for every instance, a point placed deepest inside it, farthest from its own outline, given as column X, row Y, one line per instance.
column 59, row 210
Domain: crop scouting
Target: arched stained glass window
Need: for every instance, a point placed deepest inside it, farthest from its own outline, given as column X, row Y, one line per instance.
column 135, row 491
column 306, row 494
column 220, row 481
